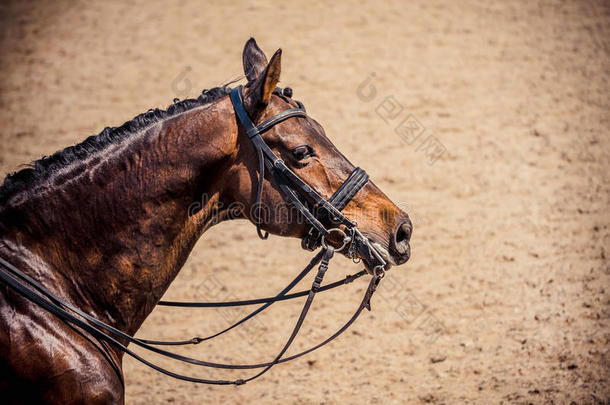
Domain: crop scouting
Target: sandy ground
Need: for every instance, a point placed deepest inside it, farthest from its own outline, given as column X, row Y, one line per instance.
column 506, row 297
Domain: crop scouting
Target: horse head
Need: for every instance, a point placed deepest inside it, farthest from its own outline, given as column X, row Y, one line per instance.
column 303, row 147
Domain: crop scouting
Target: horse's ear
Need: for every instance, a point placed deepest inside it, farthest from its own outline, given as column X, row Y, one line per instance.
column 254, row 60
column 262, row 88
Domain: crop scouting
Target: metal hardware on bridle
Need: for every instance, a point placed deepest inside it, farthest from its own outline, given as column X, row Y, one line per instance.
column 296, row 192
column 346, row 240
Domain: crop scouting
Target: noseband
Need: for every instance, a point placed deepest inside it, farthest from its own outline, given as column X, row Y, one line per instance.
column 315, row 209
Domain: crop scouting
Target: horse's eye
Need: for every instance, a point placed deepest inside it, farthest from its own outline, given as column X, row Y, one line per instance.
column 302, row 152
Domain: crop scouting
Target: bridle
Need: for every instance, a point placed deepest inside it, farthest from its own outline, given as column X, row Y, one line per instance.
column 297, row 192
column 315, row 209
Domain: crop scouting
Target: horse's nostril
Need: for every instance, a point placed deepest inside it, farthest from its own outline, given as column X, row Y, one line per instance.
column 403, row 233
column 399, row 243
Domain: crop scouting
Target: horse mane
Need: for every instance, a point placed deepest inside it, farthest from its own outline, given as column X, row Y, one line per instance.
column 40, row 169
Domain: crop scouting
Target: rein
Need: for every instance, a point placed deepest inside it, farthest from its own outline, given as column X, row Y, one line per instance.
column 315, row 209
column 38, row 294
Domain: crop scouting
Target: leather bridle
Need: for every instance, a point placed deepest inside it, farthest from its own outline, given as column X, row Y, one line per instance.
column 315, row 208
column 297, row 193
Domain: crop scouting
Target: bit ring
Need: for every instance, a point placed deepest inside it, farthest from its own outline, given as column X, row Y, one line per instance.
column 346, row 239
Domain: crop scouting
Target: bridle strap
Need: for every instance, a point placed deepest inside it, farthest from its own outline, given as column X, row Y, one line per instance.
column 269, row 300
column 349, row 188
column 280, row 117
column 259, row 194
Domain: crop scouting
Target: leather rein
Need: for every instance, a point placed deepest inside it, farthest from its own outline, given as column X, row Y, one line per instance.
column 314, row 208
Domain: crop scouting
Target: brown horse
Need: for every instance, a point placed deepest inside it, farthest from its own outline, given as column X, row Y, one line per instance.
column 107, row 224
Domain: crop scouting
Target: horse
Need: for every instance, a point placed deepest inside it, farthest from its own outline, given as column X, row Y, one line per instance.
column 107, row 224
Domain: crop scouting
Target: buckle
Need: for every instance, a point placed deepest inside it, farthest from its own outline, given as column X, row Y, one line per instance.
column 279, row 163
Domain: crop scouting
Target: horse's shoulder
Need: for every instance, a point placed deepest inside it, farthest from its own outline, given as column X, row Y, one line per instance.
column 63, row 364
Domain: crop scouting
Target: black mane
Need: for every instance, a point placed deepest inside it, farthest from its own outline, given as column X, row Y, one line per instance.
column 40, row 169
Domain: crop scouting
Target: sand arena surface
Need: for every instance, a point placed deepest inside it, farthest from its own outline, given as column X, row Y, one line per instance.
column 506, row 297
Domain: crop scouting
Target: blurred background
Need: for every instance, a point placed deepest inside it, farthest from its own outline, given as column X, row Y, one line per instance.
column 488, row 122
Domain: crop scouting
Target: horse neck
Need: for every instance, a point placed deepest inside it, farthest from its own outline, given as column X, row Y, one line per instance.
column 112, row 238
